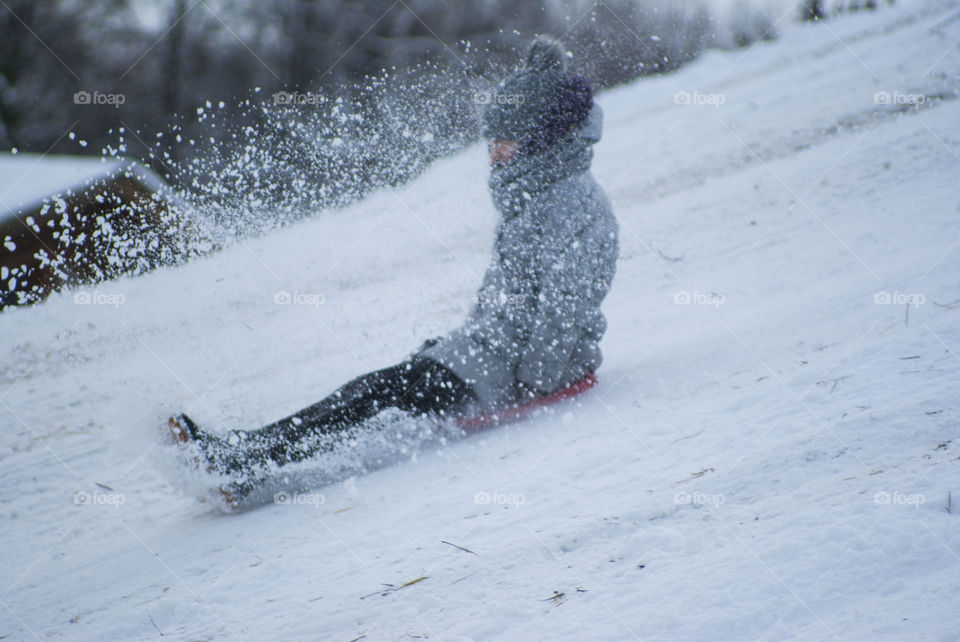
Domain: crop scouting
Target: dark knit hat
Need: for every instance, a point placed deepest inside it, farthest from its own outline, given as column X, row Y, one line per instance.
column 522, row 96
column 538, row 104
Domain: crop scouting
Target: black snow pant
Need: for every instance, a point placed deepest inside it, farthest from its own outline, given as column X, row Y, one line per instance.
column 417, row 386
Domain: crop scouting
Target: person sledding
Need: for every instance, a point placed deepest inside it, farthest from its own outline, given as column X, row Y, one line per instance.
column 535, row 328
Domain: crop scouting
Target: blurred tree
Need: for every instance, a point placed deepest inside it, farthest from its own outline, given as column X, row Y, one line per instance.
column 42, row 59
column 812, row 10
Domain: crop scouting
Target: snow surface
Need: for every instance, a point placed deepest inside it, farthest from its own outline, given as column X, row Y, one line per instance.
column 769, row 461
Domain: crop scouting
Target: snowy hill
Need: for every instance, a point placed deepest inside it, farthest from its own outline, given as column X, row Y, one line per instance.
column 769, row 454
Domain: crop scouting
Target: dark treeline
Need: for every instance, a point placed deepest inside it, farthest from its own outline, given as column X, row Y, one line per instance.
column 258, row 113
column 138, row 78
column 90, row 67
column 191, row 86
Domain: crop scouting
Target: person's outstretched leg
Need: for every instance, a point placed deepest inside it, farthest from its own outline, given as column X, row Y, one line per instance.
column 417, row 386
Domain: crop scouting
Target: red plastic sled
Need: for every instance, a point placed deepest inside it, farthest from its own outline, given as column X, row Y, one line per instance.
column 514, row 412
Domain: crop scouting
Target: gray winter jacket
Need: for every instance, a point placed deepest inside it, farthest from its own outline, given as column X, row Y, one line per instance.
column 537, row 318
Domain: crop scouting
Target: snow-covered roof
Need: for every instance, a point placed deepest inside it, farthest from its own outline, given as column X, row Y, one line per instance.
column 27, row 179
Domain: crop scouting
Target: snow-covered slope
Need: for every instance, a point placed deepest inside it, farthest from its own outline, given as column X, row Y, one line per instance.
column 769, row 454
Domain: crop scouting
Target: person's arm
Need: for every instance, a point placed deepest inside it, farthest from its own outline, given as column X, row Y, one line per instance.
column 562, row 303
column 555, row 331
